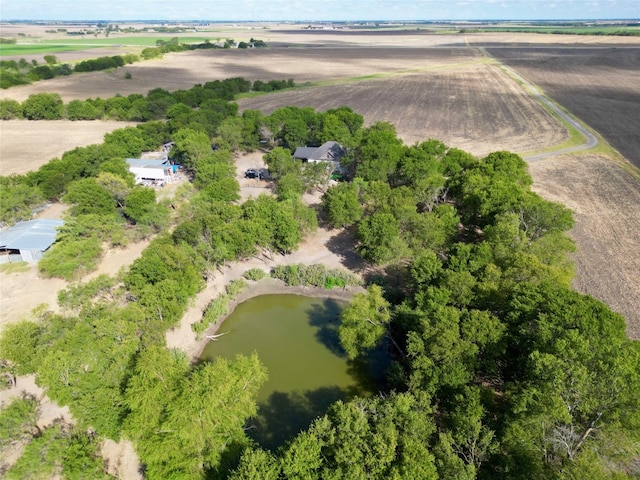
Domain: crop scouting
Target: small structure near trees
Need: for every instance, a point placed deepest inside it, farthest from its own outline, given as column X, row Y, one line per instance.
column 27, row 241
column 152, row 171
column 329, row 152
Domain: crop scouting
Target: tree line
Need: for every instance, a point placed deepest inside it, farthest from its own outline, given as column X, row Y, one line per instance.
column 156, row 105
column 22, row 72
column 498, row 369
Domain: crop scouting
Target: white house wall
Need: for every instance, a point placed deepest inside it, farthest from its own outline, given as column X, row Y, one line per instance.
column 151, row 173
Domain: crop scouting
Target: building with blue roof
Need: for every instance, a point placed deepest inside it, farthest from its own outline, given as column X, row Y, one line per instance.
column 27, row 241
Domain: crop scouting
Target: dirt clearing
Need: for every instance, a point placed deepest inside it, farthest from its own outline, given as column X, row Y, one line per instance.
column 27, row 145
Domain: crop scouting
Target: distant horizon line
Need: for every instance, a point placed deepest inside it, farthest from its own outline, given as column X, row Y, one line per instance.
column 470, row 20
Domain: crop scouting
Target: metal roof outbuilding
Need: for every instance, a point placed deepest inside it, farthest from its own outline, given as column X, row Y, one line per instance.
column 31, row 238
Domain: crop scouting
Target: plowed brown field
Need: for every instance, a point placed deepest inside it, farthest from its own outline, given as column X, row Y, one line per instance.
column 601, row 86
column 605, row 202
column 183, row 70
column 477, row 108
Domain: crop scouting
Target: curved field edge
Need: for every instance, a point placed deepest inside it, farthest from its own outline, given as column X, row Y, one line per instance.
column 603, row 198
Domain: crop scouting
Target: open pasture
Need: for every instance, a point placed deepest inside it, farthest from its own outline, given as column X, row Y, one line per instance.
column 601, row 86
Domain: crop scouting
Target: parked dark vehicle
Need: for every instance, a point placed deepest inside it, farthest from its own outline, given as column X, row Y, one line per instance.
column 252, row 173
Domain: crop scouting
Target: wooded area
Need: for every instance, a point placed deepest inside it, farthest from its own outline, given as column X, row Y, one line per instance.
column 498, row 369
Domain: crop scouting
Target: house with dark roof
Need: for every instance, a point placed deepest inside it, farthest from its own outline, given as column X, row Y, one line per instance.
column 27, row 241
column 329, row 152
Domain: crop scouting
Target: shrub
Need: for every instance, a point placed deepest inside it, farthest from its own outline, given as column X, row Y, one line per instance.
column 72, row 259
column 255, row 274
column 235, row 287
column 10, row 109
column 216, row 308
column 43, row 106
column 316, row 275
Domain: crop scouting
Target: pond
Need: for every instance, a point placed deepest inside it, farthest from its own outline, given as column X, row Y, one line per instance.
column 296, row 338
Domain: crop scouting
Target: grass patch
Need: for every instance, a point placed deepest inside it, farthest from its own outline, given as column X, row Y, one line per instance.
column 316, row 275
column 14, row 267
column 35, row 49
column 252, row 94
column 138, row 41
column 217, row 307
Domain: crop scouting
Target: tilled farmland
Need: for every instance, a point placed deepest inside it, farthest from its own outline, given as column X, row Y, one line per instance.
column 601, row 86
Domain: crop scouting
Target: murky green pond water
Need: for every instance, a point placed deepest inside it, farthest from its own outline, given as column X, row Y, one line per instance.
column 296, row 338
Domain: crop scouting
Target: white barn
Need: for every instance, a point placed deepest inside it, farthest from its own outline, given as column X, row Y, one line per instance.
column 150, row 170
column 27, row 241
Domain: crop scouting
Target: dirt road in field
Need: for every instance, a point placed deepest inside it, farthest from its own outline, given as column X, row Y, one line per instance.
column 590, row 139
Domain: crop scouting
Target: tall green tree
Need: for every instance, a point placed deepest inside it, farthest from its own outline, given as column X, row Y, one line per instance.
column 378, row 153
column 342, row 204
column 365, row 322
column 43, row 106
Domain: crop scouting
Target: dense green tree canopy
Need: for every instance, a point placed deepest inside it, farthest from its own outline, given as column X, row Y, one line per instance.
column 43, row 106
column 496, row 368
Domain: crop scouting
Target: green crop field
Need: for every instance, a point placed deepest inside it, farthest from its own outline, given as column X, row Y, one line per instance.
column 37, row 48
column 566, row 30
column 55, row 46
column 141, row 41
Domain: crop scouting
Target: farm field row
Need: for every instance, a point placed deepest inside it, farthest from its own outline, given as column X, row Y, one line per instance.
column 599, row 86
column 185, row 69
column 477, row 108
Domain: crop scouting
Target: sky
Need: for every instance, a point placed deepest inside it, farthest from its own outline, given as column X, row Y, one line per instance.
column 317, row 10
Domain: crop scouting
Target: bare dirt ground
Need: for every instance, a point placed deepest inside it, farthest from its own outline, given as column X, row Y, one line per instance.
column 601, row 86
column 605, row 201
column 27, row 145
column 185, row 69
column 477, row 108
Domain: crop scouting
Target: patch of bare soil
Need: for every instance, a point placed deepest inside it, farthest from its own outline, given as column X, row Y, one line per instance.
column 48, row 411
column 605, row 201
column 477, row 108
column 27, row 145
column 121, row 460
